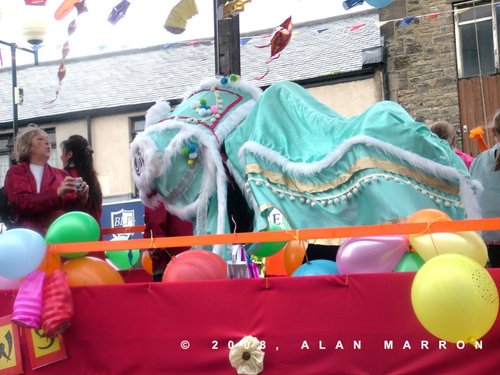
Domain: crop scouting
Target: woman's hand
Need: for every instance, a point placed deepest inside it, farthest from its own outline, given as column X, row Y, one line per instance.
column 71, row 185
column 68, row 185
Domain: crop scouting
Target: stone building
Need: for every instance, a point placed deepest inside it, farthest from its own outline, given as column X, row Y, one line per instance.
column 432, row 65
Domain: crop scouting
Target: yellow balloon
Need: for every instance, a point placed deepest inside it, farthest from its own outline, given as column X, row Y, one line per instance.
column 466, row 243
column 455, row 298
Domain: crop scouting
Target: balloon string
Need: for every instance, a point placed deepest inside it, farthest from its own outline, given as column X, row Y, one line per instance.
column 152, row 243
column 235, row 241
column 295, row 233
column 263, row 75
column 427, row 231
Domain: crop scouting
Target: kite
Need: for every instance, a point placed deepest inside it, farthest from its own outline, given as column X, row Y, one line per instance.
column 179, row 15
column 279, row 40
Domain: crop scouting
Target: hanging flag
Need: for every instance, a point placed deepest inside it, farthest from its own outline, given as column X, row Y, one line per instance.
column 35, row 2
column 118, row 12
column 406, row 21
column 355, row 27
column 433, row 15
column 244, row 41
column 279, row 39
column 63, row 10
column 177, row 19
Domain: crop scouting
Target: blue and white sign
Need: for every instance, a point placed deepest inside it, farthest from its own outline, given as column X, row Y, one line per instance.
column 122, row 214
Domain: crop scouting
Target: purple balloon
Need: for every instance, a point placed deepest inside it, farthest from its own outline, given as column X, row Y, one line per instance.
column 371, row 254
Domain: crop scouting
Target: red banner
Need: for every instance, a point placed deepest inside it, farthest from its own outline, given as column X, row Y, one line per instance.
column 356, row 324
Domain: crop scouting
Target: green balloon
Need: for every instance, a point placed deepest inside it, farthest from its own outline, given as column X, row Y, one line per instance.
column 75, row 226
column 410, row 262
column 270, row 248
column 123, row 259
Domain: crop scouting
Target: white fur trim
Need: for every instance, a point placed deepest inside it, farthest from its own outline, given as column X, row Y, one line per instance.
column 157, row 112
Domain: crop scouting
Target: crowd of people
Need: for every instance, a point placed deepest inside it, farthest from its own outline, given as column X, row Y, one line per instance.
column 38, row 193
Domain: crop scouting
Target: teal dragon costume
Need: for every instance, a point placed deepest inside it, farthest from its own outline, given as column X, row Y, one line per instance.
column 286, row 150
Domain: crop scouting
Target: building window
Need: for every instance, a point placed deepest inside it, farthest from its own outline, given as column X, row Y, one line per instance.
column 5, row 149
column 4, row 157
column 476, row 27
column 137, row 125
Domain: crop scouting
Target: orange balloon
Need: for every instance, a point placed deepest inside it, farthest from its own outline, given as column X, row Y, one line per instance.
column 294, row 252
column 147, row 263
column 427, row 215
column 91, row 271
column 50, row 263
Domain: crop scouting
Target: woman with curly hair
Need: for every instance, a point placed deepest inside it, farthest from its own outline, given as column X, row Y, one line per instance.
column 37, row 192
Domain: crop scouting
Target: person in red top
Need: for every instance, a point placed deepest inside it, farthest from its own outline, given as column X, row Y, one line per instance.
column 78, row 161
column 161, row 223
column 37, row 192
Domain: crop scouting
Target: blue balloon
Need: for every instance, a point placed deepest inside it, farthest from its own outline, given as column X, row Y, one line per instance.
column 378, row 3
column 317, row 267
column 21, row 252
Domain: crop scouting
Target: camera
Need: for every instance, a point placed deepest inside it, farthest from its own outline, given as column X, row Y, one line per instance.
column 79, row 184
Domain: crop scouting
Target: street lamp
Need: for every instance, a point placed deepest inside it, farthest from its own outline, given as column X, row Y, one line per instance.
column 32, row 26
column 16, row 91
column 17, row 94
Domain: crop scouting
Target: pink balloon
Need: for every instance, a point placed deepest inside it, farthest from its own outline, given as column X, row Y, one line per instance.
column 7, row 284
column 371, row 254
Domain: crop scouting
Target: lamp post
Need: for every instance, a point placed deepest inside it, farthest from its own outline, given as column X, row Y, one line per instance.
column 16, row 97
column 227, row 42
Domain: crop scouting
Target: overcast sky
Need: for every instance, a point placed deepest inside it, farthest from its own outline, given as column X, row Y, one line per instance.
column 143, row 23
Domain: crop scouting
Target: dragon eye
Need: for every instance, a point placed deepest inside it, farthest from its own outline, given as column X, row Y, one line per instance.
column 138, row 162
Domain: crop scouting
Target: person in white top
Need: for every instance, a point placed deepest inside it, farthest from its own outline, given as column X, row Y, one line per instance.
column 486, row 169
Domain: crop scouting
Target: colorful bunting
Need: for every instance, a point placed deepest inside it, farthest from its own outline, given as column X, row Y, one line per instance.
column 279, row 40
column 63, row 10
column 179, row 15
column 406, row 21
column 348, row 4
column 243, row 41
column 231, row 9
column 35, row 2
column 355, row 27
column 118, row 12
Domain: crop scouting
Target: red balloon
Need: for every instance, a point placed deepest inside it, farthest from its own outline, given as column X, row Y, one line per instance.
column 195, row 265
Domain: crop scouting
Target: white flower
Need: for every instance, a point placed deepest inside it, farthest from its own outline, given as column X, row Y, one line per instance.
column 247, row 356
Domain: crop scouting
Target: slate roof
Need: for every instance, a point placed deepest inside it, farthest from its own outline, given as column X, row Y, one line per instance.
column 126, row 78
